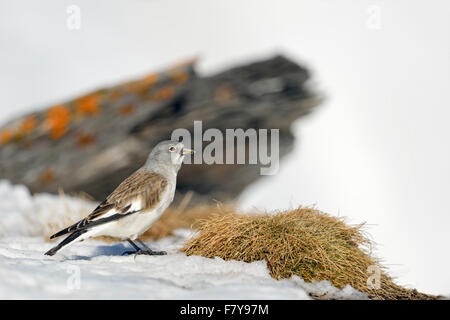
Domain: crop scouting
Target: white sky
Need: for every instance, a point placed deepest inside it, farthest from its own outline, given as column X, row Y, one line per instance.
column 376, row 151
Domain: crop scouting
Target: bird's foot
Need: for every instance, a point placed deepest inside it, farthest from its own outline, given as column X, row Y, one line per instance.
column 156, row 253
column 146, row 252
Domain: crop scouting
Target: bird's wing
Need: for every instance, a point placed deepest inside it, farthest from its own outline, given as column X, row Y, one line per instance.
column 139, row 192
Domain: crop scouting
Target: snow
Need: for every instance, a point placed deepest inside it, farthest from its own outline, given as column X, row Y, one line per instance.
column 39, row 215
column 96, row 270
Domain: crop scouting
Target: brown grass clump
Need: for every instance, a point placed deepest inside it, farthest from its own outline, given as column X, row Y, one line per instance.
column 303, row 242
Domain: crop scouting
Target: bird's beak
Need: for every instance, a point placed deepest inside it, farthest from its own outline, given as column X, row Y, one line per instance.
column 187, row 151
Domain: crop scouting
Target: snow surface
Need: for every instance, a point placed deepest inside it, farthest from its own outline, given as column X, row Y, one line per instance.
column 96, row 270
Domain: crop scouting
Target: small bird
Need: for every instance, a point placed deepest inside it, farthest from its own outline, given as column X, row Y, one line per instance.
column 135, row 204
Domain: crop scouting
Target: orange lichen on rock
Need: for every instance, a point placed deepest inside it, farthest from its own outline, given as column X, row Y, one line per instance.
column 57, row 121
column 20, row 130
column 126, row 110
column 85, row 139
column 5, row 136
column 115, row 95
column 137, row 87
column 163, row 93
column 27, row 126
column 151, row 79
column 47, row 176
column 143, row 85
column 88, row 105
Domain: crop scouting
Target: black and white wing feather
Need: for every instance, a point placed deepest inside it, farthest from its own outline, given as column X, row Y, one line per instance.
column 138, row 193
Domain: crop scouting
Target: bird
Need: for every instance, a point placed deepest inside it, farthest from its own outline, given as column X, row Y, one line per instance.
column 135, row 204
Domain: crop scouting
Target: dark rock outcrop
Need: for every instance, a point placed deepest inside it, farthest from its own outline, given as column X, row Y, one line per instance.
column 92, row 143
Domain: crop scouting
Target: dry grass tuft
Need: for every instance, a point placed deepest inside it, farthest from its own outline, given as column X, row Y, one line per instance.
column 303, row 242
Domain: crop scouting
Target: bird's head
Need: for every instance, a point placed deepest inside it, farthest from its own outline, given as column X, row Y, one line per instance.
column 168, row 154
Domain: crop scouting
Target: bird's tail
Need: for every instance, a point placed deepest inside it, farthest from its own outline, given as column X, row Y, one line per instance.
column 65, row 242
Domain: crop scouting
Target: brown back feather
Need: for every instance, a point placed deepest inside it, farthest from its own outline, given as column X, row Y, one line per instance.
column 143, row 185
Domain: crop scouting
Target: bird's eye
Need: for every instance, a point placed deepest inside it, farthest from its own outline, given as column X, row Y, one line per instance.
column 172, row 149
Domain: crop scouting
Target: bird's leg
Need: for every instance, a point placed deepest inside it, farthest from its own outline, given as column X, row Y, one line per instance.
column 147, row 250
column 150, row 251
column 137, row 249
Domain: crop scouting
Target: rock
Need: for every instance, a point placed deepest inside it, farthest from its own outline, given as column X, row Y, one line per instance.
column 92, row 143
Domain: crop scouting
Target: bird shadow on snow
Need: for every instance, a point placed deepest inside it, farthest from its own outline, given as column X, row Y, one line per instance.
column 107, row 250
column 116, row 249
